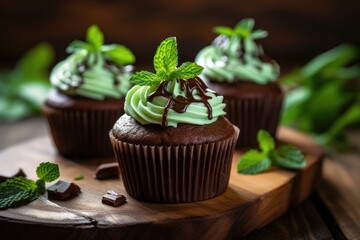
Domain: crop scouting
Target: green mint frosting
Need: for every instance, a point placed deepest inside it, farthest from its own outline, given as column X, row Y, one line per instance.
column 173, row 94
column 146, row 112
column 94, row 70
column 234, row 54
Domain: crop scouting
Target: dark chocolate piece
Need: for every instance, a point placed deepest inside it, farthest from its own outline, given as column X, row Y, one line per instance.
column 63, row 190
column 107, row 171
column 179, row 104
column 20, row 173
column 113, row 199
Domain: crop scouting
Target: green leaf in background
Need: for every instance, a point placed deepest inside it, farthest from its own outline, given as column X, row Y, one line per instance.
column 334, row 58
column 78, row 45
column 350, row 118
column 24, row 88
column 35, row 63
column 322, row 95
column 95, row 37
column 118, row 53
column 242, row 29
column 223, row 30
column 326, row 106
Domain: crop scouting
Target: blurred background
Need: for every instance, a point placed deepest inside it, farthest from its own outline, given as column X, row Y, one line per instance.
column 298, row 32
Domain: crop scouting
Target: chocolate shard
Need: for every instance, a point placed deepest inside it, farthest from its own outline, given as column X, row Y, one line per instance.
column 20, row 173
column 107, row 171
column 113, row 199
column 63, row 190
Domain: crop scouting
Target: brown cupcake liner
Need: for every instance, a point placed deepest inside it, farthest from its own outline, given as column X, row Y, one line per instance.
column 81, row 133
column 180, row 173
column 253, row 114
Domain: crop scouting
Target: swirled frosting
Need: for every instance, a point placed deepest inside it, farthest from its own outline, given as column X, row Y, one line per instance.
column 173, row 102
column 237, row 57
column 88, row 74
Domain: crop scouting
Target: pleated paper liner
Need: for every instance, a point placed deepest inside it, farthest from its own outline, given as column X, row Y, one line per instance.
column 173, row 174
column 81, row 133
column 253, row 114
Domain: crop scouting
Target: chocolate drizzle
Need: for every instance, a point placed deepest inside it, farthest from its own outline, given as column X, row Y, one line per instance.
column 83, row 66
column 222, row 42
column 180, row 103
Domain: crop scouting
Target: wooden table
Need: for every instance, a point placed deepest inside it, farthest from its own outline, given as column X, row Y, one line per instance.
column 333, row 212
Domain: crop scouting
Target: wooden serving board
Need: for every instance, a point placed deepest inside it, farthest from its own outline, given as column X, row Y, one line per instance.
column 250, row 202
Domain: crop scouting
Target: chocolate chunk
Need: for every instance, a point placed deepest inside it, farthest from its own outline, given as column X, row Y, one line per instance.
column 20, row 173
column 107, row 171
column 63, row 190
column 113, row 199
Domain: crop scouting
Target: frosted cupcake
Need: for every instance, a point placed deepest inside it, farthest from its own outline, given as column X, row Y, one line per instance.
column 236, row 67
column 89, row 89
column 173, row 144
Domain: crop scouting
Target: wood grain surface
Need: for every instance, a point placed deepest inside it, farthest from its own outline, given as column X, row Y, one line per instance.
column 250, row 202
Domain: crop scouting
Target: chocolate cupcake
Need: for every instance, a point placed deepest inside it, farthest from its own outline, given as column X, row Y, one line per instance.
column 89, row 89
column 173, row 143
column 236, row 67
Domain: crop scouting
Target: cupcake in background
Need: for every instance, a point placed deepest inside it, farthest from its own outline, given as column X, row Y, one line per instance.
column 87, row 96
column 173, row 144
column 236, row 67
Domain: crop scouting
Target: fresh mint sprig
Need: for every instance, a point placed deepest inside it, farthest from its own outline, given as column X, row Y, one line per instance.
column 20, row 190
column 323, row 96
column 242, row 29
column 95, row 43
column 165, row 65
column 285, row 156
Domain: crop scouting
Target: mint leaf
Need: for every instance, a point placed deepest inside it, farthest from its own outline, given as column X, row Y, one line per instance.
column 95, row 37
column 265, row 140
column 347, row 119
column 223, row 30
column 118, row 53
column 243, row 32
column 166, row 56
column 19, row 190
column 288, row 156
column 243, row 29
column 48, row 171
column 246, row 23
column 334, row 58
column 16, row 191
column 329, row 83
column 186, row 70
column 40, row 183
column 78, row 45
column 145, row 78
column 80, row 177
column 35, row 63
column 165, row 63
column 258, row 34
column 253, row 162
